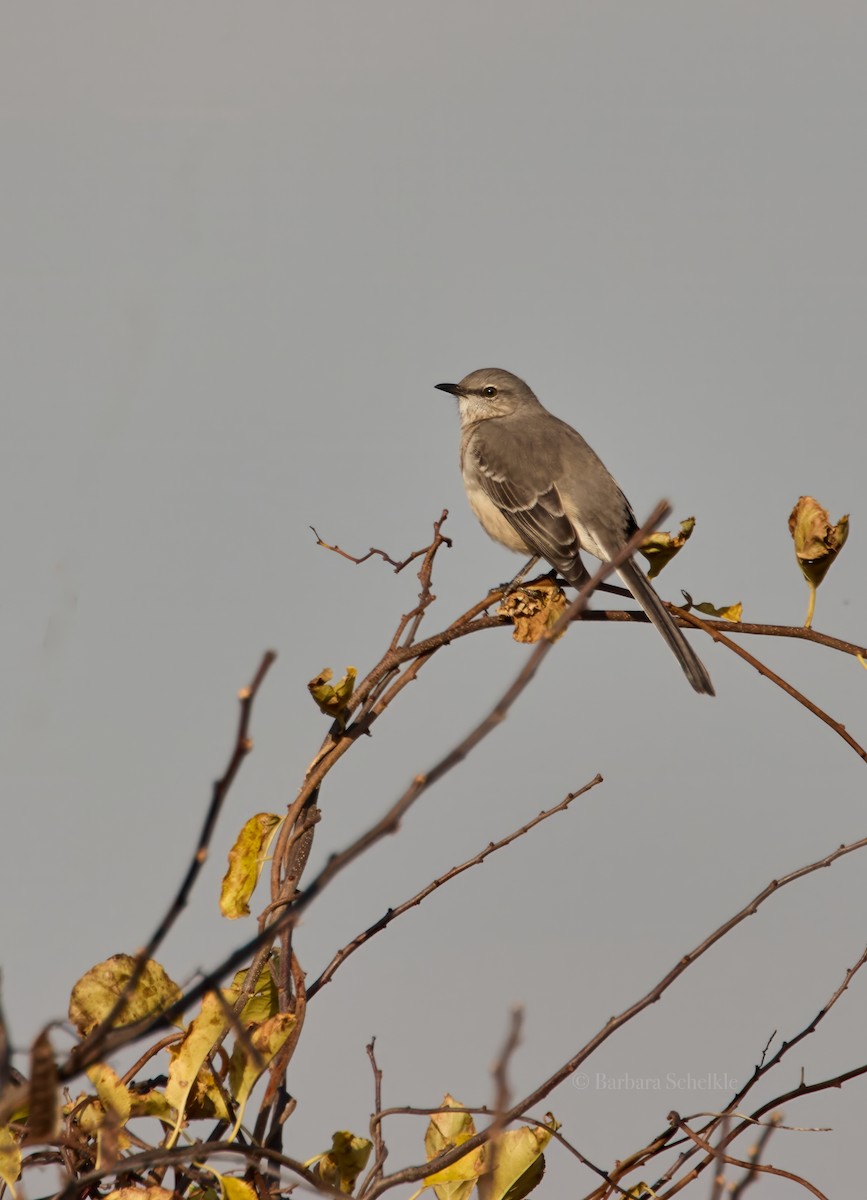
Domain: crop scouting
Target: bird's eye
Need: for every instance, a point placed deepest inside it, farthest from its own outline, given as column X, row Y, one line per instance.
column 489, row 392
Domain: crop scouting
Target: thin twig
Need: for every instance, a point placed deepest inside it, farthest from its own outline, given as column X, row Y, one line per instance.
column 751, row 1174
column 393, row 913
column 499, row 1074
column 765, row 1168
column 752, row 628
column 398, row 566
column 839, row 729
column 90, row 1046
column 380, row 1150
column 762, row 1068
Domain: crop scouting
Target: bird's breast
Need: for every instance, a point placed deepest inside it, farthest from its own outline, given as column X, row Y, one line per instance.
column 492, row 520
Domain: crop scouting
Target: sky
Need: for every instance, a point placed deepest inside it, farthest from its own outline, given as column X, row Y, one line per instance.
column 240, row 245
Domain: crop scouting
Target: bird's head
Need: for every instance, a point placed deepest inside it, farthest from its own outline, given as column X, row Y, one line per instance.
column 490, row 392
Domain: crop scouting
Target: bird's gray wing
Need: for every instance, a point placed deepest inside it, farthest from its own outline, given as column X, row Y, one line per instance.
column 532, row 506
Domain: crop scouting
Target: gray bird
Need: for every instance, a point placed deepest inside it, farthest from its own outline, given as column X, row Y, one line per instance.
column 538, row 488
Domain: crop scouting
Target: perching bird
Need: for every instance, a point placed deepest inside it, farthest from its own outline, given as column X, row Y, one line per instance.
column 538, row 488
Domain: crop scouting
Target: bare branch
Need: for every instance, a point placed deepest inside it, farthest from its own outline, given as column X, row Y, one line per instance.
column 755, row 1158
column 500, row 1076
column 393, row 913
column 739, row 1162
column 89, row 1048
column 751, row 628
column 398, row 566
column 379, row 1146
column 839, row 729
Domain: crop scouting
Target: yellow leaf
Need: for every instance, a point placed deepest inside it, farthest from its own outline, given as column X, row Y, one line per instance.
column 94, row 996
column 534, row 610
column 340, row 1166
column 660, row 548
column 332, row 700
column 246, row 859
column 264, row 1001
column 141, row 1193
column 150, row 1104
column 10, row 1159
column 528, row 1181
column 445, row 1130
column 188, row 1060
column 236, row 1189
column 244, row 1070
column 112, row 1093
column 205, row 1101
column 468, row 1169
column 729, row 612
column 515, row 1157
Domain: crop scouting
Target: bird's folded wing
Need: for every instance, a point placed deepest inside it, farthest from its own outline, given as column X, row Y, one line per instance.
column 535, row 512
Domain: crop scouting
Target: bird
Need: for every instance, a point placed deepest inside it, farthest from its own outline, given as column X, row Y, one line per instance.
column 538, row 488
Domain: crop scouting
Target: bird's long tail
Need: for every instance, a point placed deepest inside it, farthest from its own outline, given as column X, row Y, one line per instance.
column 642, row 590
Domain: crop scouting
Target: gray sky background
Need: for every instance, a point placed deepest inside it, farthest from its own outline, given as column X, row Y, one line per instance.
column 240, row 244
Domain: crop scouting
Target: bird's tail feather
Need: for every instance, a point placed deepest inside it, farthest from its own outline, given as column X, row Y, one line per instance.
column 642, row 590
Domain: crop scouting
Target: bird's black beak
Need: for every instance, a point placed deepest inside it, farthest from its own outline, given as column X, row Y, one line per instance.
column 454, row 388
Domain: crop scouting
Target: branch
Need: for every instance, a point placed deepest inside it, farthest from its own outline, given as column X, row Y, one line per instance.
column 393, row 913
column 759, row 630
column 411, row 1174
column 739, row 1162
column 398, row 566
column 499, row 1073
column 89, row 1047
column 755, row 1159
column 732, row 1109
column 376, row 1135
column 839, row 729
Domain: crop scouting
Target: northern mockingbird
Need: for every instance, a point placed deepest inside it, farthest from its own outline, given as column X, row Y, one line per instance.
column 538, row 488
